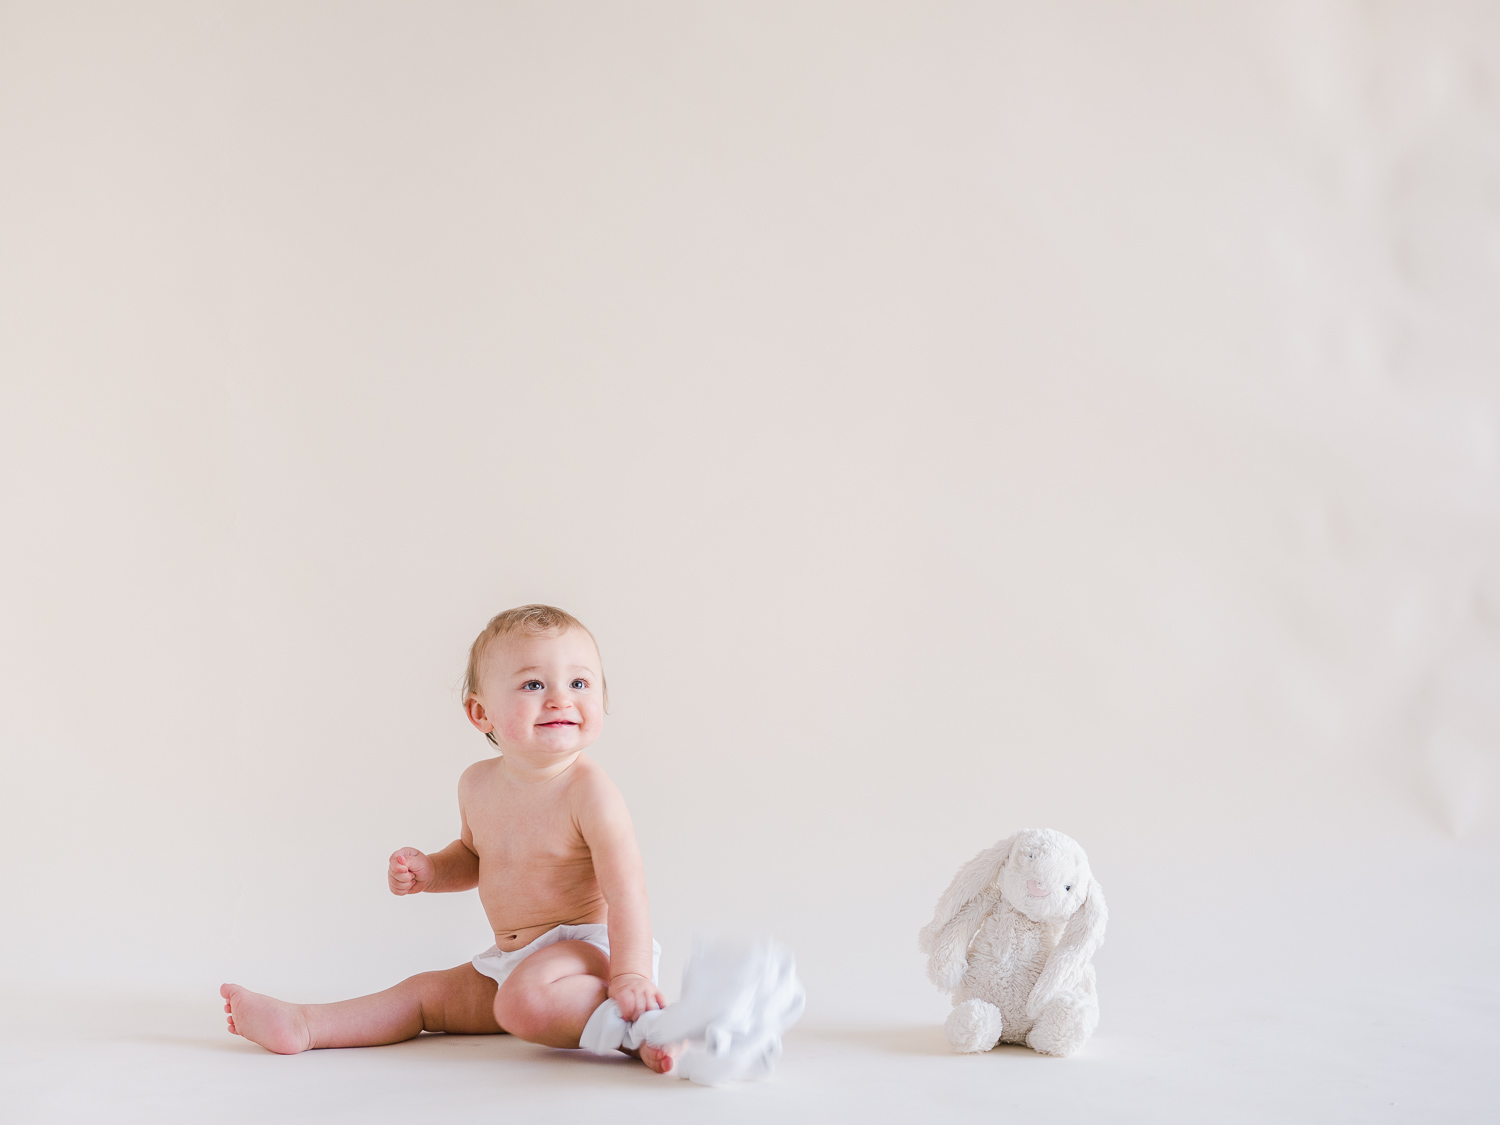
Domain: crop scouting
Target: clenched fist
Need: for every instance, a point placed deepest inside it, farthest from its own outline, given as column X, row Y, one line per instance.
column 410, row 872
column 636, row 995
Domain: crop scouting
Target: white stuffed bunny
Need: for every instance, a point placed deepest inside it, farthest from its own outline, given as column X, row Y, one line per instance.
column 1012, row 940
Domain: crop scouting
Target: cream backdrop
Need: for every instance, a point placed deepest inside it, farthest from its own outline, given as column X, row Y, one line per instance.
column 949, row 417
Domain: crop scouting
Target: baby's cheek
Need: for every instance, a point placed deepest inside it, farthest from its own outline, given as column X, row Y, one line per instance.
column 514, row 728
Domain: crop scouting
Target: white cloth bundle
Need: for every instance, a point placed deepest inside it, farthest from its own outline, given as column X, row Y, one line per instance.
column 737, row 1000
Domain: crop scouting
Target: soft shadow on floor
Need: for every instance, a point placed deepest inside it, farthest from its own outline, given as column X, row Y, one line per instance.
column 507, row 1048
column 500, row 1051
column 921, row 1040
column 453, row 1046
column 507, row 1058
column 896, row 1040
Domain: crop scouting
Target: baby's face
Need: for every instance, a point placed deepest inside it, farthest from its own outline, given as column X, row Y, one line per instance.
column 542, row 696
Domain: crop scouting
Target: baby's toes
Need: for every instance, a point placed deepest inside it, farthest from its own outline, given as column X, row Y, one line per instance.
column 657, row 1059
column 661, row 1059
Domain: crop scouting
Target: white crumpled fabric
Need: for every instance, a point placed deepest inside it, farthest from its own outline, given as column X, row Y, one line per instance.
column 737, row 1000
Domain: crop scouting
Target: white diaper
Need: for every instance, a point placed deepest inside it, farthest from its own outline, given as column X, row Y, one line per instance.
column 496, row 964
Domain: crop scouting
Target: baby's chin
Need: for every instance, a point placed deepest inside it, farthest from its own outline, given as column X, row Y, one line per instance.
column 559, row 740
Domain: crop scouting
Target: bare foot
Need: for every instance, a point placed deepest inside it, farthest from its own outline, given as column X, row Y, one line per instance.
column 274, row 1024
column 659, row 1059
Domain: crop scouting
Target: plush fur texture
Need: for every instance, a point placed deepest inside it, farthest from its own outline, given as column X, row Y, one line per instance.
column 1013, row 939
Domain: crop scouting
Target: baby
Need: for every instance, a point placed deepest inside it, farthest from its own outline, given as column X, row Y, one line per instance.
column 547, row 840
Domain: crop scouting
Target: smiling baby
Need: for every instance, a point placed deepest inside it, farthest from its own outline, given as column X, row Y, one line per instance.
column 546, row 839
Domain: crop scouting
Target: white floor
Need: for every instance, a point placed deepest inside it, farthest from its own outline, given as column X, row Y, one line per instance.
column 1311, row 994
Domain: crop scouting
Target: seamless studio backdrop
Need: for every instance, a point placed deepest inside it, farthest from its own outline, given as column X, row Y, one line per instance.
column 948, row 417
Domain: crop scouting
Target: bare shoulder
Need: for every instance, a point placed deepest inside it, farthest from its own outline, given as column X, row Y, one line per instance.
column 477, row 777
column 590, row 789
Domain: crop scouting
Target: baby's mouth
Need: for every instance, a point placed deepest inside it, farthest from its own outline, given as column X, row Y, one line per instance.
column 559, row 723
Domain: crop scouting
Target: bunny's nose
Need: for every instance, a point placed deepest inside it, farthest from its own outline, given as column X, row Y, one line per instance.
column 1036, row 890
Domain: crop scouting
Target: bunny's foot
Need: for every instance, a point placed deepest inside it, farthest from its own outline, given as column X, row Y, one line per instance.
column 1064, row 1025
column 973, row 1026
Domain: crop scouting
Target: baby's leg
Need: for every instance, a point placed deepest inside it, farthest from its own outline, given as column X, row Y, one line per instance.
column 460, row 1000
column 552, row 994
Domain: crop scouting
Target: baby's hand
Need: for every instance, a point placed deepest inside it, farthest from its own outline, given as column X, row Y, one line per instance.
column 635, row 994
column 410, row 871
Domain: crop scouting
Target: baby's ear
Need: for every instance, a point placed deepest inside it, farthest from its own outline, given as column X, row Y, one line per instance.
column 972, row 880
column 474, row 710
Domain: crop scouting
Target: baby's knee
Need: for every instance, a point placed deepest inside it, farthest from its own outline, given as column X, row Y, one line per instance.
column 521, row 1009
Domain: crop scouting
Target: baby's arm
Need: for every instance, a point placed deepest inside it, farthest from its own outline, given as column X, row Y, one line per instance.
column 455, row 868
column 605, row 824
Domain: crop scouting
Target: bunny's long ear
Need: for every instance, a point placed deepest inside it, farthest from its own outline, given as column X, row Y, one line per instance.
column 970, row 882
column 1083, row 935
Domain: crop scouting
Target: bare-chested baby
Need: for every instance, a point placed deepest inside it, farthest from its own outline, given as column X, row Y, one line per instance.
column 547, row 840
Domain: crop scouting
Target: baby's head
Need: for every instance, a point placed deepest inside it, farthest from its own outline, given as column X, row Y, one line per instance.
column 535, row 681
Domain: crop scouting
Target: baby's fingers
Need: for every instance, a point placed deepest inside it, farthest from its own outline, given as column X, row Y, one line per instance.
column 630, row 1005
column 638, row 1000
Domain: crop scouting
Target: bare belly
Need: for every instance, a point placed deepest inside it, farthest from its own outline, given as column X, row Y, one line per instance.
column 528, row 890
column 508, row 941
column 522, row 909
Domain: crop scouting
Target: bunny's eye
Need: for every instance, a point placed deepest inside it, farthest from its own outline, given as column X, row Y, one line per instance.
column 1069, row 887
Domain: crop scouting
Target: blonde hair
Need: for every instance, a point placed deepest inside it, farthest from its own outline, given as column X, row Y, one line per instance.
column 529, row 621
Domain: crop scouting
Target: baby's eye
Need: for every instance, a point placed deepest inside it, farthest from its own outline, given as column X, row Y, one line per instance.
column 532, row 685
column 580, row 684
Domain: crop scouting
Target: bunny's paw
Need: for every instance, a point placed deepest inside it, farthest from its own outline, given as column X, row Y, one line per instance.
column 1065, row 1025
column 973, row 1026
